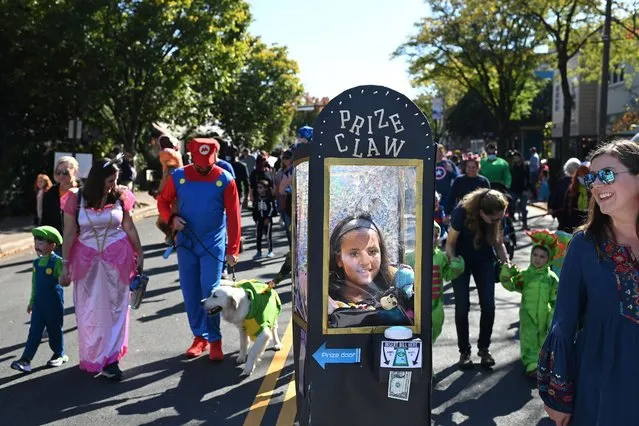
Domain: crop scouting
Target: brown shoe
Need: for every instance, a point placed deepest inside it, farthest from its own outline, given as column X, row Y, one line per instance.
column 216, row 353
column 198, row 346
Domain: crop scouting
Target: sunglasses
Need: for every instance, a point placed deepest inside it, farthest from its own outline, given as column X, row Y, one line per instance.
column 64, row 172
column 606, row 176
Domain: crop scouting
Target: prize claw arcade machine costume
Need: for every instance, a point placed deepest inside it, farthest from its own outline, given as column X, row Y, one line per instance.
column 362, row 260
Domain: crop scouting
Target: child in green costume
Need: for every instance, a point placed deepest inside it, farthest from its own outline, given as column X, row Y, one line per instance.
column 538, row 287
column 443, row 270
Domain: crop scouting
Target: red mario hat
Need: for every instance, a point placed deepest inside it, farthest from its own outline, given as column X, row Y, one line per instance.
column 203, row 151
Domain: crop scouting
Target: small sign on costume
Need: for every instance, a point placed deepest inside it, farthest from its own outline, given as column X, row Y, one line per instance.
column 324, row 356
column 401, row 354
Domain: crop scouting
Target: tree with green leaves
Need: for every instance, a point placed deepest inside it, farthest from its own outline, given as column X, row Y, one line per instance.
column 568, row 26
column 120, row 66
column 623, row 45
column 155, row 60
column 259, row 107
column 481, row 46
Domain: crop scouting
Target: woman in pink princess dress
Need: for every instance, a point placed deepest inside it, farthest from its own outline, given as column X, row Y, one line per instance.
column 101, row 257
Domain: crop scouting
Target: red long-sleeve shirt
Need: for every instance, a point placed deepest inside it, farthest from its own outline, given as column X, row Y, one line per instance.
column 168, row 196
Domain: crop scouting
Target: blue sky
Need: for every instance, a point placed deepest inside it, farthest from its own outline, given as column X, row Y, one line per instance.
column 339, row 44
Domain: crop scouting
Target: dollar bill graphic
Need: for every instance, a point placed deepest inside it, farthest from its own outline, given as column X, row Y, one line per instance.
column 399, row 385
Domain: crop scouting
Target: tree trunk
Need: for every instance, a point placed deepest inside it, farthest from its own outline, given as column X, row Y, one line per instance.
column 563, row 151
column 503, row 132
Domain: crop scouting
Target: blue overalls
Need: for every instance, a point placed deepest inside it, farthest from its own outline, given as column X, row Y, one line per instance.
column 47, row 310
column 201, row 247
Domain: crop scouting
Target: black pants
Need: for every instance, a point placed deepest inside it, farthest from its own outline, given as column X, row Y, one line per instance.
column 263, row 228
column 484, row 275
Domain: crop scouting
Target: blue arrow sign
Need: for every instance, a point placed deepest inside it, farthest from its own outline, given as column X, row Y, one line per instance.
column 325, row 356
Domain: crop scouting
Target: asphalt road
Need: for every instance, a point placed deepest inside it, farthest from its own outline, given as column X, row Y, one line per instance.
column 502, row 395
column 162, row 387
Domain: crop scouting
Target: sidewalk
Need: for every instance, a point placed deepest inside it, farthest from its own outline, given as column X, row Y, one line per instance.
column 15, row 232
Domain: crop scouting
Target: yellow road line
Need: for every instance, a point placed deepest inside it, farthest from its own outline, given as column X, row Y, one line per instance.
column 263, row 397
column 289, row 407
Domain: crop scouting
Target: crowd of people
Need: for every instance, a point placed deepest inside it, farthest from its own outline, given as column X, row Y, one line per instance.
column 85, row 235
column 579, row 316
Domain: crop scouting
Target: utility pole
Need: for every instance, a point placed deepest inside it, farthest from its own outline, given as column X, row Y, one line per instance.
column 605, row 66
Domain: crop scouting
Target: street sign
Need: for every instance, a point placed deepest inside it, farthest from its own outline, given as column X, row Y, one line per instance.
column 75, row 129
column 401, row 354
column 325, row 356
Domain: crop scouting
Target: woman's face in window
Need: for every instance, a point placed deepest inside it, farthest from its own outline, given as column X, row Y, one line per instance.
column 360, row 256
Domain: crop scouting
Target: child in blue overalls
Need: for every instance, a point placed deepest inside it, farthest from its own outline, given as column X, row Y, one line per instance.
column 46, row 304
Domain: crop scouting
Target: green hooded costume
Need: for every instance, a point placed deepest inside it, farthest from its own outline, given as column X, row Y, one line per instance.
column 265, row 307
column 443, row 270
column 538, row 288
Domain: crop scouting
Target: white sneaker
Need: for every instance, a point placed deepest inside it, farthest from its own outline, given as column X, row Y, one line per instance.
column 57, row 361
column 270, row 254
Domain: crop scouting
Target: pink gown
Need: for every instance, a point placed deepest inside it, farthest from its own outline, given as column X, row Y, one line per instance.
column 102, row 262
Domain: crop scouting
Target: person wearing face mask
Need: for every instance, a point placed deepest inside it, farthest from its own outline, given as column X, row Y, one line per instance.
column 496, row 169
column 575, row 209
column 208, row 229
column 466, row 183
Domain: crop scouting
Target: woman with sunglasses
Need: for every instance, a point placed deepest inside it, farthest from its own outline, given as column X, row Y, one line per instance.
column 475, row 234
column 65, row 175
column 588, row 367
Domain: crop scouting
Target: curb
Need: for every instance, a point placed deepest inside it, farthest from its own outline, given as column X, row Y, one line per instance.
column 26, row 243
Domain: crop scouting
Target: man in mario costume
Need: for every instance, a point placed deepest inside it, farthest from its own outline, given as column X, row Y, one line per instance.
column 207, row 203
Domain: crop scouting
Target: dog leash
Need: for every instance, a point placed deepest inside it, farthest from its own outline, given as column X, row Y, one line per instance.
column 194, row 235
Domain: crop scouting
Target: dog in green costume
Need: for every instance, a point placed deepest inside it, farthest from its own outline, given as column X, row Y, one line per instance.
column 443, row 270
column 538, row 287
column 253, row 307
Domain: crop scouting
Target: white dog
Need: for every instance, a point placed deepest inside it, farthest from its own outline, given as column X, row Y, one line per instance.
column 253, row 307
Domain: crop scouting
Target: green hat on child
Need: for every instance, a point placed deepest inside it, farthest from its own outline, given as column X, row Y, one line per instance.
column 48, row 233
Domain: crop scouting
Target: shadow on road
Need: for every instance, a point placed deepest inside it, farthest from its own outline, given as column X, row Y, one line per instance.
column 199, row 394
column 491, row 404
column 23, row 262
